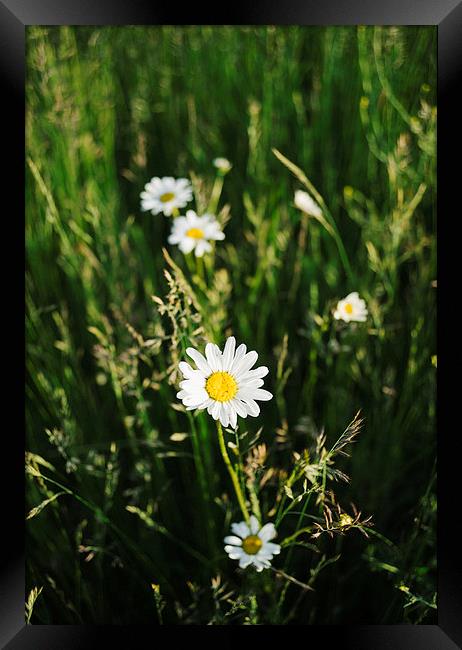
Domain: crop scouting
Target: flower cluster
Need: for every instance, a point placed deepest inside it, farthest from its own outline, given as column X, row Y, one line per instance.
column 224, row 381
column 194, row 233
column 191, row 232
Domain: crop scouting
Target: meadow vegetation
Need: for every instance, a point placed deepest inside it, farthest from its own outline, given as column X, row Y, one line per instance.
column 128, row 498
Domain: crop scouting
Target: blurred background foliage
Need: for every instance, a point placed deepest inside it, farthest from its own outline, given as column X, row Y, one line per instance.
column 107, row 109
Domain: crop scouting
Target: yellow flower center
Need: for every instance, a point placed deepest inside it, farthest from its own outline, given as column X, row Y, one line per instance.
column 252, row 544
column 221, row 386
column 195, row 233
column 168, row 196
column 349, row 308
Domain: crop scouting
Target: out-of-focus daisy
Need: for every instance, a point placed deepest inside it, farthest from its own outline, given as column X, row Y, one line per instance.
column 166, row 195
column 251, row 544
column 223, row 382
column 351, row 308
column 222, row 164
column 194, row 233
column 305, row 203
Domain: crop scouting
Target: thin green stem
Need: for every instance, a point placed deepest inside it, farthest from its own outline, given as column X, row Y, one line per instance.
column 232, row 473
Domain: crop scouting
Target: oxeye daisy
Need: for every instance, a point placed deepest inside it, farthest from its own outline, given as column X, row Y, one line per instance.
column 223, row 382
column 222, row 164
column 351, row 308
column 251, row 544
column 195, row 233
column 305, row 203
column 166, row 195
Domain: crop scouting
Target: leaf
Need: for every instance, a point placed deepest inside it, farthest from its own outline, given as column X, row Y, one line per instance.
column 289, row 492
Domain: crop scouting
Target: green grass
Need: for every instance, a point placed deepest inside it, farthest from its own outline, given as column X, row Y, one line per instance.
column 108, row 108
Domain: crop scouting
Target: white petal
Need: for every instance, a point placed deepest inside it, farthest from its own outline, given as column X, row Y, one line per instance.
column 186, row 369
column 262, row 395
column 218, row 236
column 233, row 540
column 234, row 552
column 256, row 373
column 213, row 355
column 267, row 532
column 202, row 247
column 194, row 399
column 261, row 564
column 269, row 547
column 238, row 355
column 250, row 383
column 351, row 296
column 239, row 407
column 252, row 407
column 195, row 376
column 193, row 385
column 186, row 245
column 215, row 412
column 254, row 525
column 245, row 364
column 241, row 529
column 245, row 561
column 199, row 360
column 264, row 555
column 224, row 415
column 228, row 352
column 232, row 416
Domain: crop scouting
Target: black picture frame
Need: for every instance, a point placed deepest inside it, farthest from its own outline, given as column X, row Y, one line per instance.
column 15, row 15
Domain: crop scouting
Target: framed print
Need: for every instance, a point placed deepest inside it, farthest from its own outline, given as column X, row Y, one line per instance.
column 231, row 355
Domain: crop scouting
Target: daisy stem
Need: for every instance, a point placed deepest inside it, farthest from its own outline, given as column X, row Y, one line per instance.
column 190, row 264
column 232, row 473
column 200, row 267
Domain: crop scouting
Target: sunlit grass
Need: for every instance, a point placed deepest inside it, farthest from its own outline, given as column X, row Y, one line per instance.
column 128, row 497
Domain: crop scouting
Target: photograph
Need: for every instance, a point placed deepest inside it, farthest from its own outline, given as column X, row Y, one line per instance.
column 231, row 355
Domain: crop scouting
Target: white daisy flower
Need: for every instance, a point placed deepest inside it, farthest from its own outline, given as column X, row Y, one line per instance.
column 166, row 194
column 351, row 308
column 251, row 544
column 223, row 383
column 194, row 233
column 305, row 203
column 222, row 164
